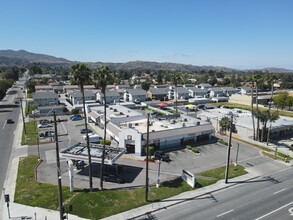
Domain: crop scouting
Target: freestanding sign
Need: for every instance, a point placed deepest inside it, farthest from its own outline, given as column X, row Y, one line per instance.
column 188, row 177
column 71, row 175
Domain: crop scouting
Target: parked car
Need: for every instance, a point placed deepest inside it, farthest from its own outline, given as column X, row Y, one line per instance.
column 160, row 155
column 114, row 179
column 9, row 121
column 76, row 118
column 44, row 125
column 45, row 121
column 84, row 131
column 46, row 134
column 93, row 138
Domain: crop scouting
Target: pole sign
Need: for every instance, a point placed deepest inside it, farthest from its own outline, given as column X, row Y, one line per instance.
column 188, row 177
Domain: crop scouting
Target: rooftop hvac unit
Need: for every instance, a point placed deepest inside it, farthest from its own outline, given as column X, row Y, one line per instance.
column 115, row 110
column 130, row 125
column 121, row 113
column 198, row 123
column 136, row 124
column 111, row 108
column 183, row 125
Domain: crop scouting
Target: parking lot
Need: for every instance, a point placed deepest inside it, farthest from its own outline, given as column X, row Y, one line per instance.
column 133, row 171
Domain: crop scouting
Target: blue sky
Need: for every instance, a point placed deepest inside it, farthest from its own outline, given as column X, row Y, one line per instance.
column 233, row 33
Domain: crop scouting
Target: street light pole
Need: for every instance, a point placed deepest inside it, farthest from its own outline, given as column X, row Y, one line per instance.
column 147, row 160
column 60, row 198
column 159, row 171
column 24, row 127
column 229, row 150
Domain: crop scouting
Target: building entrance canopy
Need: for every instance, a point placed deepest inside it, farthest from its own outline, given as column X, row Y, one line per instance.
column 80, row 152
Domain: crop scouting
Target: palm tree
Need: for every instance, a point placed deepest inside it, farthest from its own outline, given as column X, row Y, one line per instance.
column 82, row 74
column 102, row 76
column 224, row 124
column 252, row 109
column 175, row 79
column 257, row 79
column 265, row 117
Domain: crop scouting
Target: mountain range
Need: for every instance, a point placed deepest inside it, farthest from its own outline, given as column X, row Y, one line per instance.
column 22, row 57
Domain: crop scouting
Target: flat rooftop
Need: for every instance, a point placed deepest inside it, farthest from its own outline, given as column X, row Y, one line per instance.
column 157, row 124
column 242, row 117
column 80, row 152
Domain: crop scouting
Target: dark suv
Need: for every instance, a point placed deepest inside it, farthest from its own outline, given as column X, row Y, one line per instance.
column 114, row 179
column 160, row 155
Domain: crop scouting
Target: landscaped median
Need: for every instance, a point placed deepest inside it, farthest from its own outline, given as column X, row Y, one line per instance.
column 104, row 203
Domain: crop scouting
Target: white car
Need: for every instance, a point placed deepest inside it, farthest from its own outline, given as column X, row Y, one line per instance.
column 44, row 125
column 93, row 138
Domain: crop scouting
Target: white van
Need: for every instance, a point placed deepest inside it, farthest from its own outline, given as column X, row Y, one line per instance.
column 93, row 138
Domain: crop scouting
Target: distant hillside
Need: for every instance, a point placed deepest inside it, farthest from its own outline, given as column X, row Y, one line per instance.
column 22, row 57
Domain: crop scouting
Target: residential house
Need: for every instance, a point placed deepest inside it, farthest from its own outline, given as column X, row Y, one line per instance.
column 228, row 91
column 134, row 95
column 76, row 97
column 245, row 90
column 204, row 86
column 112, row 96
column 157, row 94
column 216, row 92
column 43, row 88
column 195, row 92
column 45, row 98
column 178, row 93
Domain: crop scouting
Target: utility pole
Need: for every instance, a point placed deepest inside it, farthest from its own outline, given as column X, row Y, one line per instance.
column 60, row 198
column 147, row 160
column 229, row 150
column 22, row 115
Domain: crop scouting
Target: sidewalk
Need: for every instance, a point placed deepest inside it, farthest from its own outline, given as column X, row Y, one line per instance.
column 143, row 211
column 18, row 211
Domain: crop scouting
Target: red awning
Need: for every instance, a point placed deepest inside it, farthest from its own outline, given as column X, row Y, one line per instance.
column 162, row 104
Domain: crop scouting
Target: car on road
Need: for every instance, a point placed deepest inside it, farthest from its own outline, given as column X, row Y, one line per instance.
column 9, row 121
column 44, row 125
column 76, row 117
column 160, row 155
column 114, row 179
column 84, row 131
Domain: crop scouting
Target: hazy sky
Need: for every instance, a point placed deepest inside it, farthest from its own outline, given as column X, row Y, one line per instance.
column 232, row 33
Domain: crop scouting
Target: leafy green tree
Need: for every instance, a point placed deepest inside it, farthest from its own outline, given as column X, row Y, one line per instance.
column 102, row 76
column 290, row 102
column 82, row 74
column 30, row 85
column 160, row 78
column 74, row 111
column 281, row 100
column 146, row 85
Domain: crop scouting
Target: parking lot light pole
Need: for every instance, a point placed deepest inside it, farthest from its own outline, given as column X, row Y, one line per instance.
column 237, row 152
column 159, row 171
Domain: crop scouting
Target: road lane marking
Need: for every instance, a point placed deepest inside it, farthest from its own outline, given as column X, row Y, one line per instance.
column 291, row 211
column 279, row 191
column 261, row 217
column 225, row 213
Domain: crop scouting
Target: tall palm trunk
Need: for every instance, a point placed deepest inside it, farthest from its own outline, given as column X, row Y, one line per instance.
column 87, row 140
column 252, row 113
column 270, row 106
column 256, row 103
column 104, row 144
column 176, row 104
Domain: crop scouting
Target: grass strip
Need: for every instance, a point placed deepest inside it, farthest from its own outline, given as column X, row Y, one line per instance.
column 100, row 204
